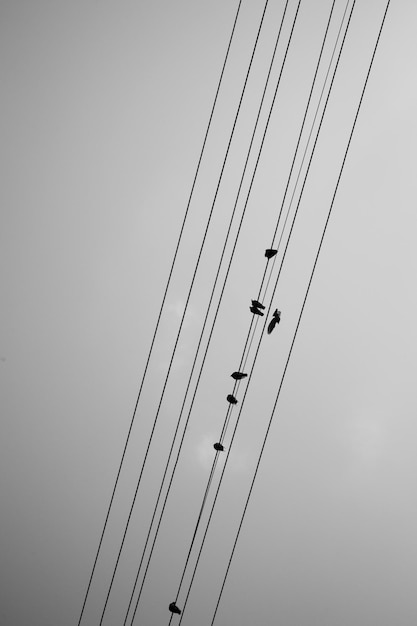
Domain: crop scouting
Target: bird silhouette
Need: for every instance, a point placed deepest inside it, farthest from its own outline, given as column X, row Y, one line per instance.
column 255, row 310
column 257, row 304
column 276, row 317
column 238, row 375
column 174, row 609
column 270, row 252
column 231, row 399
column 218, row 447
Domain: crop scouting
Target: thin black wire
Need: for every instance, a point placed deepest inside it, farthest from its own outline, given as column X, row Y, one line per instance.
column 299, row 139
column 302, row 309
column 293, row 163
column 266, row 319
column 306, row 112
column 185, row 428
column 260, row 297
column 206, row 318
column 219, row 484
column 248, row 196
column 160, row 312
column 305, row 150
column 248, row 338
column 209, row 482
column 247, row 200
column 198, row 519
column 183, row 316
column 228, row 417
column 227, row 420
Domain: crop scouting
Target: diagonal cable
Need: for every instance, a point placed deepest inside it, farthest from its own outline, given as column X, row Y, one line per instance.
column 204, row 326
column 304, row 154
column 159, row 316
column 266, row 317
column 183, row 316
column 302, row 309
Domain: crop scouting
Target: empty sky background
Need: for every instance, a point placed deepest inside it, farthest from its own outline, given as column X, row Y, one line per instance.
column 104, row 108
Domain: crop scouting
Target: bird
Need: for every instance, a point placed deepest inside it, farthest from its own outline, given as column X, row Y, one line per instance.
column 270, row 252
column 174, row 609
column 218, row 447
column 231, row 399
column 257, row 304
column 276, row 317
column 255, row 310
column 238, row 375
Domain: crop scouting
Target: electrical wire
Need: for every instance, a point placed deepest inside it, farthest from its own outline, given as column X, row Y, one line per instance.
column 305, row 150
column 183, row 316
column 266, row 317
column 224, row 427
column 213, row 469
column 302, row 308
column 160, row 314
column 205, row 322
column 185, row 428
column 226, row 422
column 261, row 297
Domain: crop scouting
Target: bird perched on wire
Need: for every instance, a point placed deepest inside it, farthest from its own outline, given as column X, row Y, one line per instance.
column 270, row 252
column 231, row 399
column 238, row 375
column 174, row 609
column 256, row 307
column 254, row 310
column 257, row 304
column 276, row 317
column 218, row 447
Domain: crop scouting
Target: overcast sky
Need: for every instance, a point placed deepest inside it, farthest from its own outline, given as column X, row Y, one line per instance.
column 104, row 110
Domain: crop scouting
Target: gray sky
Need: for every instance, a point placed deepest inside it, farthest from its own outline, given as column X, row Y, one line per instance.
column 104, row 111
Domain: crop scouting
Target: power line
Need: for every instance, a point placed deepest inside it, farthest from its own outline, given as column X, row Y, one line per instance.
column 210, row 480
column 266, row 317
column 160, row 314
column 183, row 316
column 305, row 116
column 302, row 310
column 202, row 332
column 306, row 146
column 226, row 421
